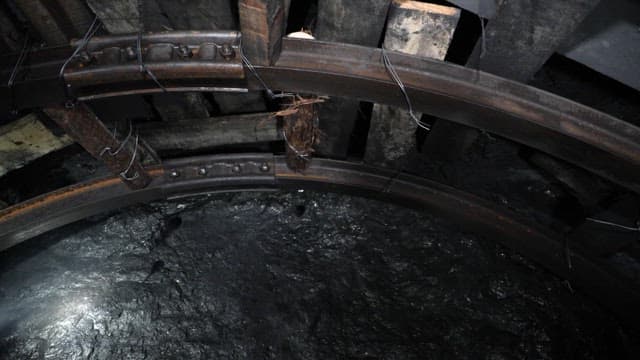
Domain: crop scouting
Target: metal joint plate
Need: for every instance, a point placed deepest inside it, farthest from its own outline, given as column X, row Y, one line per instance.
column 165, row 55
column 202, row 174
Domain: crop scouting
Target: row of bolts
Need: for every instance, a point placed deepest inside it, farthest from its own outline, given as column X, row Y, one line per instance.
column 225, row 50
column 264, row 167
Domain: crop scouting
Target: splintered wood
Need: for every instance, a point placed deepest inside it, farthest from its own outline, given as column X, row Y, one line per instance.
column 300, row 130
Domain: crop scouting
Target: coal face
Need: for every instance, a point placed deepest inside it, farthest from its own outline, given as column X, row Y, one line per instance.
column 300, row 275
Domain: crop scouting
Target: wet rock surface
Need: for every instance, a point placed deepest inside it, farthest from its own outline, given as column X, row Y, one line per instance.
column 287, row 276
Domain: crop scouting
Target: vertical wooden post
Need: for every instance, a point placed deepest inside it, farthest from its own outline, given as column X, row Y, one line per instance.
column 413, row 28
column 359, row 22
column 262, row 23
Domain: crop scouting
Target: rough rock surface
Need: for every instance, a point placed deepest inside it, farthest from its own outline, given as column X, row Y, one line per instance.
column 287, row 276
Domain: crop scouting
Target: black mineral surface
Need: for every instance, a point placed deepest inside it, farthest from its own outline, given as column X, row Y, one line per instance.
column 299, row 275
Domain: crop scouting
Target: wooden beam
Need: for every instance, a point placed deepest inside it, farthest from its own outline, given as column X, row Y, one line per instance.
column 351, row 21
column 262, row 23
column 240, row 103
column 177, row 107
column 117, row 16
column 517, row 42
column 57, row 22
column 198, row 134
column 42, row 22
column 413, row 28
column 76, row 11
column 355, row 22
column 199, row 14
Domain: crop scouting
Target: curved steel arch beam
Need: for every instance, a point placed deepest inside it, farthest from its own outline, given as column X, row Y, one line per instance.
column 186, row 177
column 602, row 144
column 593, row 140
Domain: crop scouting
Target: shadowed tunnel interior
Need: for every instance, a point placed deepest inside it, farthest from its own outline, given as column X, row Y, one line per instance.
column 131, row 132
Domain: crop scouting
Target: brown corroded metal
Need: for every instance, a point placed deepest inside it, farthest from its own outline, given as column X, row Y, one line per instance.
column 572, row 132
column 122, row 158
column 182, row 177
column 165, row 55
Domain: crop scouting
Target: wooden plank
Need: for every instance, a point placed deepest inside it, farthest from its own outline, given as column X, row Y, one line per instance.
column 517, row 42
column 25, row 140
column 57, row 21
column 413, row 28
column 78, row 14
column 262, row 25
column 117, row 16
column 240, row 103
column 198, row 134
column 43, row 22
column 198, row 14
column 153, row 16
column 178, row 107
column 358, row 22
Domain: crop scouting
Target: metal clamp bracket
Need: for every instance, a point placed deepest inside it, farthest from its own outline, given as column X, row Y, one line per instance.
column 176, row 55
column 203, row 173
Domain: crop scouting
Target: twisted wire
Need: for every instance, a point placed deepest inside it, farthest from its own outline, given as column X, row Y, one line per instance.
column 396, row 78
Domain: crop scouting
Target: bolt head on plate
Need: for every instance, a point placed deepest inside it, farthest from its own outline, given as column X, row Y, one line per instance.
column 227, row 52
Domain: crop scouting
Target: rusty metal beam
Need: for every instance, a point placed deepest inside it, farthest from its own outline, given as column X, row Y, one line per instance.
column 595, row 141
column 202, row 175
column 122, row 158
